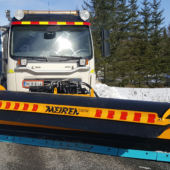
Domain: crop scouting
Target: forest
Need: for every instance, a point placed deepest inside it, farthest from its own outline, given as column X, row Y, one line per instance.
column 139, row 42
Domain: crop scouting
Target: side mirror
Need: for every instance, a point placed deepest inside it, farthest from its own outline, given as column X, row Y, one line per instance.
column 3, row 28
column 105, row 49
column 105, row 34
column 0, row 39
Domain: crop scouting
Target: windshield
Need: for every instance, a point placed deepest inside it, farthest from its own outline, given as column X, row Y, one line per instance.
column 50, row 41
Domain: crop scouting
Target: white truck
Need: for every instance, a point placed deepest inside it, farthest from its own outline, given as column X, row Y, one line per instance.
column 46, row 49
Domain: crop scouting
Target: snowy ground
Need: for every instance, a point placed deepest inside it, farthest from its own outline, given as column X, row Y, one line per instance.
column 147, row 94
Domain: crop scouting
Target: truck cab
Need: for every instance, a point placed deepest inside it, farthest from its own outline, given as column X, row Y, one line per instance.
column 43, row 50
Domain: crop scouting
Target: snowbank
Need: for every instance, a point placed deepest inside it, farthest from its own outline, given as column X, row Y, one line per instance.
column 108, row 92
column 146, row 94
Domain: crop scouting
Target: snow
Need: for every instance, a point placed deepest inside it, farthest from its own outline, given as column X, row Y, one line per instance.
column 146, row 94
column 108, row 92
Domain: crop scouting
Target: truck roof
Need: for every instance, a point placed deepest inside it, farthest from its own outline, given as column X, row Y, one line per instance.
column 50, row 17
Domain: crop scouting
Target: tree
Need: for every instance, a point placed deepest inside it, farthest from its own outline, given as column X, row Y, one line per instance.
column 119, row 63
column 134, row 39
column 134, row 22
column 169, row 30
column 166, row 54
column 158, row 62
column 145, row 45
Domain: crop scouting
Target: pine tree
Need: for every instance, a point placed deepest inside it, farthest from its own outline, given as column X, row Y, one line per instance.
column 157, row 58
column 119, row 63
column 146, row 13
column 134, row 38
column 111, row 61
column 145, row 45
column 169, row 30
column 165, row 35
column 123, row 19
column 157, row 63
column 134, row 22
column 166, row 54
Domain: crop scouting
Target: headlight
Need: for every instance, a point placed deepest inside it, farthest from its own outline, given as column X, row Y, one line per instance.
column 22, row 62
column 82, row 62
column 84, row 15
column 19, row 14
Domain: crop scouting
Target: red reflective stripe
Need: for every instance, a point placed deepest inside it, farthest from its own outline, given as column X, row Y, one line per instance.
column 98, row 113
column 123, row 115
column 8, row 104
column 70, row 23
column 52, row 23
column 0, row 104
column 34, row 22
column 151, row 118
column 35, row 107
column 111, row 114
column 25, row 106
column 16, row 106
column 86, row 23
column 137, row 117
column 16, row 23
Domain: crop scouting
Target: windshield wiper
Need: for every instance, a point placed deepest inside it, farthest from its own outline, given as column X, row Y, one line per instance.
column 36, row 58
column 67, row 57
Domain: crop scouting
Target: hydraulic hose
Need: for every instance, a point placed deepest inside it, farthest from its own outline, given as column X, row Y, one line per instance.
column 87, row 85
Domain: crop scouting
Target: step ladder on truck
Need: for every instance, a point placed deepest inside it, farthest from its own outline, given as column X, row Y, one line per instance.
column 47, row 95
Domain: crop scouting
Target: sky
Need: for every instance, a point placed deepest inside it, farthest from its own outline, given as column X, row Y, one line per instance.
column 13, row 5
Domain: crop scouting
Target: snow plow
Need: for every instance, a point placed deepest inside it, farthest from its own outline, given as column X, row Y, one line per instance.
column 48, row 71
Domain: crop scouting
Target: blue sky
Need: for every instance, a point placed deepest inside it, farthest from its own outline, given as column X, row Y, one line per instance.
column 13, row 5
column 165, row 4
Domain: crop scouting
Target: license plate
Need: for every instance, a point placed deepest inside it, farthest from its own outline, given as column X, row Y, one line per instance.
column 28, row 83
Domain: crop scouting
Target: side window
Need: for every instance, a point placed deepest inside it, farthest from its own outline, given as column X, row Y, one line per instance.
column 4, row 50
column 0, row 45
column 5, row 45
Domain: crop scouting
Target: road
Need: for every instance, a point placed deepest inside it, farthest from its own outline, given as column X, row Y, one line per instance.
column 24, row 157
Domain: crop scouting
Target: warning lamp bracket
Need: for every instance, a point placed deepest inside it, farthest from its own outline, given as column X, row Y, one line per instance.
column 8, row 15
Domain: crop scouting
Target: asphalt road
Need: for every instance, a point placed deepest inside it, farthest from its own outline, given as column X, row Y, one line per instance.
column 24, row 157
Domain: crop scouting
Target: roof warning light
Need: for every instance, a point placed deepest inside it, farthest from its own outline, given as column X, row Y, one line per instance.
column 19, row 14
column 85, row 15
